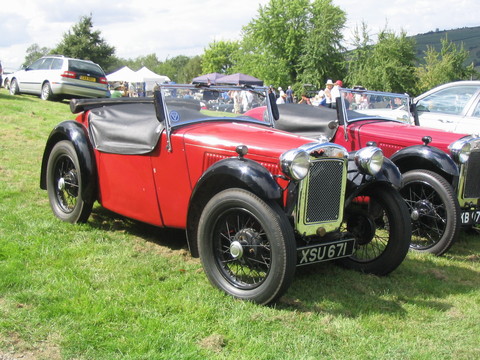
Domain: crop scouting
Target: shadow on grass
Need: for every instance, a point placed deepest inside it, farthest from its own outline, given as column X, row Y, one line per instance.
column 422, row 280
column 5, row 95
column 104, row 219
column 8, row 97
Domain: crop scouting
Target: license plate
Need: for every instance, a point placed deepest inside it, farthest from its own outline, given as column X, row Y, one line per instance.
column 88, row 78
column 470, row 217
column 324, row 252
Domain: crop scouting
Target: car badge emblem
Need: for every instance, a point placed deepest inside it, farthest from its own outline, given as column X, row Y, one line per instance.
column 174, row 116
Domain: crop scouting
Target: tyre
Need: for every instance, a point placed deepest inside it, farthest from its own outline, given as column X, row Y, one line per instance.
column 434, row 211
column 46, row 93
column 379, row 221
column 14, row 90
column 246, row 246
column 64, row 184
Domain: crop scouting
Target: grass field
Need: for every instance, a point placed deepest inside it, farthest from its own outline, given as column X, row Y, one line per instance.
column 118, row 289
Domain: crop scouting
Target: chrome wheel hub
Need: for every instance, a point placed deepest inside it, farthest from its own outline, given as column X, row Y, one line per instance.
column 236, row 249
column 421, row 208
column 61, row 184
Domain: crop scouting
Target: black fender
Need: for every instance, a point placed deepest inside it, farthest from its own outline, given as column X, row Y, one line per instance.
column 426, row 158
column 389, row 175
column 228, row 173
column 77, row 134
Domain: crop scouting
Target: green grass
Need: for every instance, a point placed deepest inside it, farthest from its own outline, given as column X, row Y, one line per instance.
column 118, row 289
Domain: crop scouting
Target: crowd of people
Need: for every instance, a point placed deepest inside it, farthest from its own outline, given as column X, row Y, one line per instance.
column 325, row 97
column 123, row 89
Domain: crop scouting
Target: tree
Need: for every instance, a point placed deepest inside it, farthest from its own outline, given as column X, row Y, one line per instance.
column 219, row 57
column 294, row 41
column 388, row 65
column 323, row 52
column 150, row 61
column 83, row 43
column 444, row 66
column 174, row 68
column 193, row 68
column 34, row 52
column 272, row 41
column 358, row 58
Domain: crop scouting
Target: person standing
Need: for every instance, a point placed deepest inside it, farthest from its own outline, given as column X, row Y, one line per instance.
column 328, row 93
column 335, row 92
column 289, row 94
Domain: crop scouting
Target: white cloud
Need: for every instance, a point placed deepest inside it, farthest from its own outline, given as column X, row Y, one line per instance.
column 186, row 27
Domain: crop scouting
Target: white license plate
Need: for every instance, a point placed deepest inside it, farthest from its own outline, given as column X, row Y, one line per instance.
column 470, row 217
column 324, row 252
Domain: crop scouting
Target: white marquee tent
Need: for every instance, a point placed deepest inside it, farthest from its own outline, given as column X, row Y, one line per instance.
column 150, row 78
column 144, row 78
column 124, row 74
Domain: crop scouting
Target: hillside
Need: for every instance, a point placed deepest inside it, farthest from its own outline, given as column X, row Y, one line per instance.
column 470, row 37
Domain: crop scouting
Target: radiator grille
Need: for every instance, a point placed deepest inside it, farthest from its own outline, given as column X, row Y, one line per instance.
column 324, row 191
column 472, row 177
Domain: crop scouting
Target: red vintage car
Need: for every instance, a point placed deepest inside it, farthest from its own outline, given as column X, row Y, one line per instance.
column 255, row 202
column 441, row 170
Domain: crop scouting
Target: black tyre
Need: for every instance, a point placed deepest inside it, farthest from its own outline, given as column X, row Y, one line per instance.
column 14, row 90
column 379, row 221
column 434, row 211
column 246, row 246
column 64, row 184
column 46, row 93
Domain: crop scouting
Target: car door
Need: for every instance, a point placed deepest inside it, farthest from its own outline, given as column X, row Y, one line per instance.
column 470, row 123
column 40, row 75
column 445, row 108
column 26, row 78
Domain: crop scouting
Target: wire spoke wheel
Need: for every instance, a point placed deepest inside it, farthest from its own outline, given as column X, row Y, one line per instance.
column 428, row 214
column 64, row 184
column 242, row 249
column 379, row 222
column 247, row 246
column 434, row 211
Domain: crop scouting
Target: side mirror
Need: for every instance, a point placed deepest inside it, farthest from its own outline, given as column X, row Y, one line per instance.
column 273, row 105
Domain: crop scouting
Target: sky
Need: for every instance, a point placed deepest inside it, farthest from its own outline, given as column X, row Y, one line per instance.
column 186, row 27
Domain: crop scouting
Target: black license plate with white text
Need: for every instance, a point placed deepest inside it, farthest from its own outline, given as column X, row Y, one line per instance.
column 324, row 252
column 470, row 217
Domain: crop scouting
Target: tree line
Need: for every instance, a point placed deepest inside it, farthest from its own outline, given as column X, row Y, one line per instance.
column 291, row 42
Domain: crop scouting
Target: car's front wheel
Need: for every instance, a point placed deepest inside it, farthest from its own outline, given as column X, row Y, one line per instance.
column 378, row 219
column 246, row 246
column 64, row 184
column 434, row 211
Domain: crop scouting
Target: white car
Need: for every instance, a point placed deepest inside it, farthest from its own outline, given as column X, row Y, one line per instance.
column 453, row 107
column 57, row 77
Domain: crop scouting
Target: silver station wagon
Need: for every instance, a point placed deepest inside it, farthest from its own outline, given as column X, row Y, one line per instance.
column 57, row 77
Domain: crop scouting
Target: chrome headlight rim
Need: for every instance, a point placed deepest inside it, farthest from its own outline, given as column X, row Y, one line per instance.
column 295, row 163
column 461, row 149
column 369, row 160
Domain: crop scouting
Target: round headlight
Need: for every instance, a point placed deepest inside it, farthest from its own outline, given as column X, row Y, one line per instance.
column 295, row 163
column 461, row 150
column 369, row 160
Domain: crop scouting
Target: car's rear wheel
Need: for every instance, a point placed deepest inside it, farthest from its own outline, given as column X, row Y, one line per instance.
column 247, row 246
column 64, row 184
column 434, row 211
column 14, row 90
column 378, row 219
column 46, row 93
